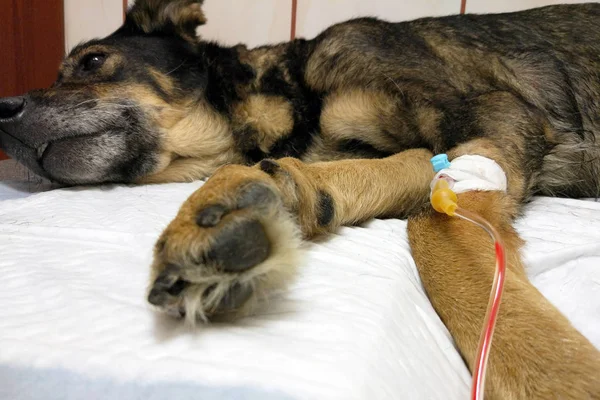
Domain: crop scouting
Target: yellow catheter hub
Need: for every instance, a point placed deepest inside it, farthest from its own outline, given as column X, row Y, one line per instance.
column 443, row 199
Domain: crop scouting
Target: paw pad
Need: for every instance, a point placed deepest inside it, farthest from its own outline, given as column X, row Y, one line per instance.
column 240, row 246
column 210, row 216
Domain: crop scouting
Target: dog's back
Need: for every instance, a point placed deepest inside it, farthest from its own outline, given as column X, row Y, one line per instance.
column 549, row 57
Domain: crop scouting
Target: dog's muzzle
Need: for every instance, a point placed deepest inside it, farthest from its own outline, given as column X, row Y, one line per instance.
column 11, row 111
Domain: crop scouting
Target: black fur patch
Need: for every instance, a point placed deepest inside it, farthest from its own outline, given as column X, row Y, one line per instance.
column 224, row 71
column 269, row 166
column 178, row 287
column 273, row 82
column 362, row 149
column 458, row 123
column 246, row 142
column 326, row 209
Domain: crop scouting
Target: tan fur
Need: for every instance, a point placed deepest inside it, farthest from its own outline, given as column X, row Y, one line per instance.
column 192, row 158
column 184, row 126
column 186, row 169
column 368, row 179
column 358, row 114
column 270, row 116
column 163, row 81
column 428, row 121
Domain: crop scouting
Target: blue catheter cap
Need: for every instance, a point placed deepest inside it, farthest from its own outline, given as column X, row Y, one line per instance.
column 440, row 162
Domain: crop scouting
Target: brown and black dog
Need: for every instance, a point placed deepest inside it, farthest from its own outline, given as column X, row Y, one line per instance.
column 339, row 129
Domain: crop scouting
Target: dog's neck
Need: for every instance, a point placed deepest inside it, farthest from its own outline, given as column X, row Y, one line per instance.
column 252, row 108
column 261, row 93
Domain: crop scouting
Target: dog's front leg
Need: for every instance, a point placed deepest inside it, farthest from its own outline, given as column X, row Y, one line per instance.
column 536, row 352
column 237, row 237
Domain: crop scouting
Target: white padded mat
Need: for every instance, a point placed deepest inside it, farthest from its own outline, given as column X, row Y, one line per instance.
column 355, row 325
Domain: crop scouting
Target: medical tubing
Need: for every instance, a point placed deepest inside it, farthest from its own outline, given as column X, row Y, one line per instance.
column 487, row 334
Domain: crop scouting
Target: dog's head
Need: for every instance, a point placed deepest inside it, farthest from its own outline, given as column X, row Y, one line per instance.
column 124, row 108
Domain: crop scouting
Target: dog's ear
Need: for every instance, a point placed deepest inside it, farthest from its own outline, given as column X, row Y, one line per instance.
column 180, row 17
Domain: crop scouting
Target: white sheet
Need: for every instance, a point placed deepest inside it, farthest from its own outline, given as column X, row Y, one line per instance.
column 17, row 182
column 355, row 325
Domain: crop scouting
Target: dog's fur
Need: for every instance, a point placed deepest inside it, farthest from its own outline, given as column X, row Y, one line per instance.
column 154, row 103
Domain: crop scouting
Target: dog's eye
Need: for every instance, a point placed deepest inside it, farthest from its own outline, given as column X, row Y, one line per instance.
column 92, row 62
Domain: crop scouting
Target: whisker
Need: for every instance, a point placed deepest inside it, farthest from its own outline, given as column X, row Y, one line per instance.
column 395, row 84
column 177, row 67
column 103, row 101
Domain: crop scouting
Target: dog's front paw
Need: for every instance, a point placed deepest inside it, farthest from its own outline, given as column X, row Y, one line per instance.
column 231, row 242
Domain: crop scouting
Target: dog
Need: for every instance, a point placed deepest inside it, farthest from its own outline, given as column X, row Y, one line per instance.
column 302, row 137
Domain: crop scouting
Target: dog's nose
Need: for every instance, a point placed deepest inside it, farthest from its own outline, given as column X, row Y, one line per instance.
column 11, row 107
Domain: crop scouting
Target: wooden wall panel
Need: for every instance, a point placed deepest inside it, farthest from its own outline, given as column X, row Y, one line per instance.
column 32, row 44
column 31, row 39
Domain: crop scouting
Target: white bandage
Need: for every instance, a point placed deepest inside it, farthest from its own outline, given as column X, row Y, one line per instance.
column 474, row 173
